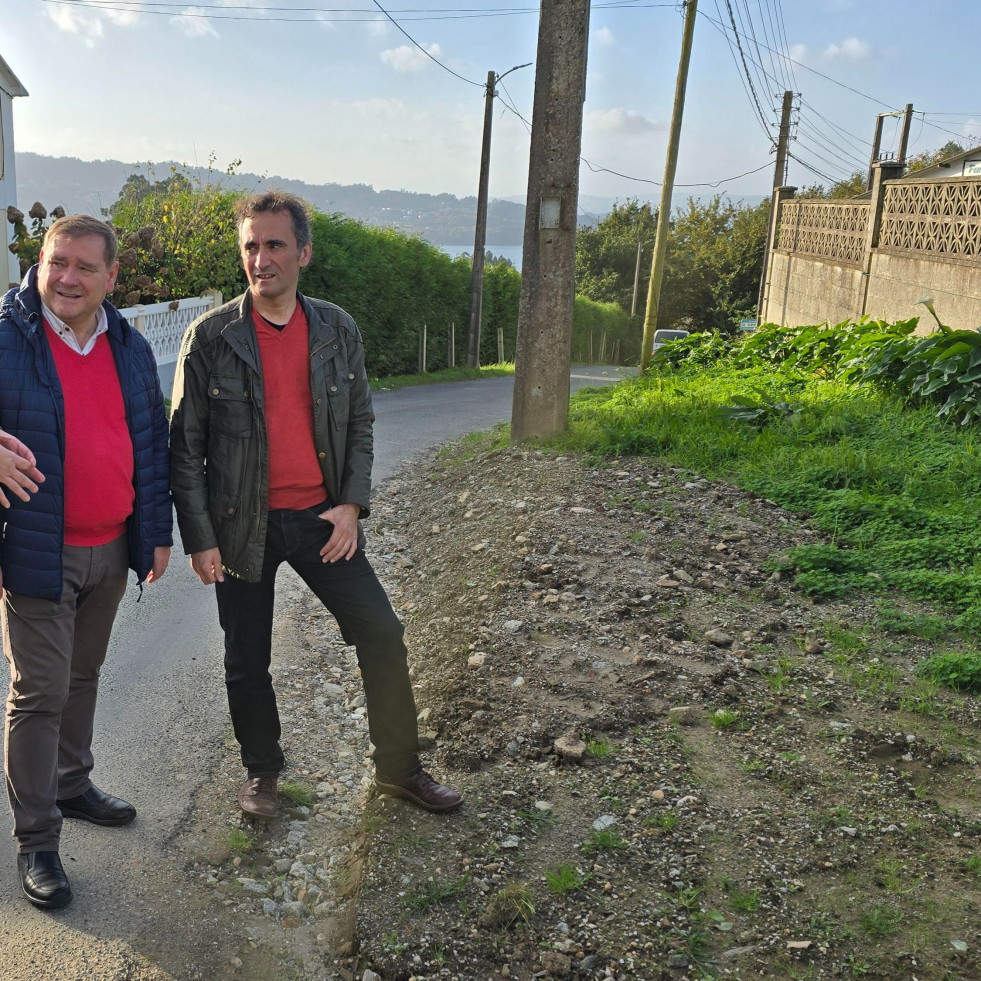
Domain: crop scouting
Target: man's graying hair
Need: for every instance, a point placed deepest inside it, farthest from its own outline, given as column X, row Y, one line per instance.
column 78, row 226
column 272, row 201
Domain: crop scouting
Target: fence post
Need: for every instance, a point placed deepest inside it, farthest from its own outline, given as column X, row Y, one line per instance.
column 780, row 194
column 500, row 345
column 139, row 321
column 214, row 296
column 451, row 344
column 422, row 351
column 882, row 171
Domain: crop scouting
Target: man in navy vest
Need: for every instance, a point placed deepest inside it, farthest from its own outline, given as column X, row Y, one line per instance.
column 78, row 386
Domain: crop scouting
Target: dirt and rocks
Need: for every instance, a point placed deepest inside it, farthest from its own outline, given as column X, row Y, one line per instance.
column 674, row 765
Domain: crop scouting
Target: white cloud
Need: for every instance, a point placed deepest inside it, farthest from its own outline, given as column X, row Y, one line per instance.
column 625, row 121
column 604, row 36
column 378, row 26
column 408, row 58
column 851, row 49
column 798, row 52
column 385, row 108
column 87, row 26
column 193, row 23
column 121, row 18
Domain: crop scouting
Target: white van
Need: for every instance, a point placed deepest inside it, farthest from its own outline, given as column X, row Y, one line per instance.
column 662, row 336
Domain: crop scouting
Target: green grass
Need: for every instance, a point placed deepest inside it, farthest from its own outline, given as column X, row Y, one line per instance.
column 599, row 748
column 607, row 840
column 445, row 375
column 566, row 878
column 724, row 718
column 894, row 489
column 431, row 892
column 298, row 794
column 240, row 842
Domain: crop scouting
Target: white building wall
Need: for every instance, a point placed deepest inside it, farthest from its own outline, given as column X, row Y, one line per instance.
column 8, row 186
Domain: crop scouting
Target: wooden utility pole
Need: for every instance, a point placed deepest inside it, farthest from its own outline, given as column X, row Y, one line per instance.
column 480, row 234
column 664, row 211
column 633, row 302
column 543, row 356
column 779, row 176
column 480, row 231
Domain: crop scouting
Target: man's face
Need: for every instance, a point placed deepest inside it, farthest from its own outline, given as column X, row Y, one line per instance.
column 73, row 278
column 270, row 255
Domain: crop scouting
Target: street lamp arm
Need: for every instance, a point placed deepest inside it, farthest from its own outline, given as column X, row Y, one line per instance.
column 516, row 67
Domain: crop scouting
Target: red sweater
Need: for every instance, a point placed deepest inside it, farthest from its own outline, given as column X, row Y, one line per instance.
column 295, row 480
column 99, row 492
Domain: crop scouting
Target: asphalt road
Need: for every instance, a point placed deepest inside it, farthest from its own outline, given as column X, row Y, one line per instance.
column 161, row 725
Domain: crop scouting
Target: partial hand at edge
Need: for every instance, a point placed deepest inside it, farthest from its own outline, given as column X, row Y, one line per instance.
column 207, row 566
column 18, row 469
column 161, row 557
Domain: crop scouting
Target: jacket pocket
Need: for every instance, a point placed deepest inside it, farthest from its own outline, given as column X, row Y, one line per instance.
column 231, row 407
column 339, row 402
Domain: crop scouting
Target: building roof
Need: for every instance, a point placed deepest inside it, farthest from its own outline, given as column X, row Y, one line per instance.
column 9, row 82
column 949, row 163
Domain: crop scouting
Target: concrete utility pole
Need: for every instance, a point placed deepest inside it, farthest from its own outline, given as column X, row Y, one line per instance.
column 664, row 211
column 480, row 232
column 779, row 176
column 907, row 115
column 548, row 262
column 904, row 137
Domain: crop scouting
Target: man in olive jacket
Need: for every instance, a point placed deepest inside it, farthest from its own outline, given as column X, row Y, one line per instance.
column 271, row 454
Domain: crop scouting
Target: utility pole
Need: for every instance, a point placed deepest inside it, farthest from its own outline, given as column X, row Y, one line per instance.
column 907, row 115
column 779, row 177
column 664, row 211
column 480, row 232
column 904, row 137
column 543, row 356
column 633, row 302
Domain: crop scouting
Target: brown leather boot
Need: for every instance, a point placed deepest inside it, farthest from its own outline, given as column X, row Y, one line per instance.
column 423, row 791
column 259, row 797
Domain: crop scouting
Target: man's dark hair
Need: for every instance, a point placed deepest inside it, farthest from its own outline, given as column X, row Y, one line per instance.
column 272, row 201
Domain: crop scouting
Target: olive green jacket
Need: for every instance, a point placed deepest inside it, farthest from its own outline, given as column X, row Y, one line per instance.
column 219, row 467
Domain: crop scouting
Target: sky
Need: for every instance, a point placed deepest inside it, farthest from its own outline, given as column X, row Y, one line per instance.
column 335, row 91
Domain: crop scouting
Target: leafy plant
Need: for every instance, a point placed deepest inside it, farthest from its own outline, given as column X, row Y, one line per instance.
column 509, row 905
column 956, row 669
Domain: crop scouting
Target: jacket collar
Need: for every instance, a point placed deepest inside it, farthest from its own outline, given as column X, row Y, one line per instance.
column 240, row 333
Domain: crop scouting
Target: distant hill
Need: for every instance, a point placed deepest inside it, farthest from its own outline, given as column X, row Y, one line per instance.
column 88, row 186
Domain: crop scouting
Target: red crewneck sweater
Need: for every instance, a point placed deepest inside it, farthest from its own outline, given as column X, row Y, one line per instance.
column 295, row 480
column 99, row 491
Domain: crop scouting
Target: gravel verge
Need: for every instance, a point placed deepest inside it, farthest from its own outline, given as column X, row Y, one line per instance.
column 674, row 765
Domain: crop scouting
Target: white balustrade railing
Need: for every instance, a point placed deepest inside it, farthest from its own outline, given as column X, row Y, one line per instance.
column 163, row 324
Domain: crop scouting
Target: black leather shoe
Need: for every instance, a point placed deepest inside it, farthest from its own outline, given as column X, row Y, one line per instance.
column 44, row 880
column 423, row 791
column 97, row 807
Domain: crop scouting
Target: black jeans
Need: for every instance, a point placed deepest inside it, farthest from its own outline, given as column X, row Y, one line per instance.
column 351, row 591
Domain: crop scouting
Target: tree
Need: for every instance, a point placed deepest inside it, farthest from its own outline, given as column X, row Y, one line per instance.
column 606, row 256
column 930, row 157
column 714, row 264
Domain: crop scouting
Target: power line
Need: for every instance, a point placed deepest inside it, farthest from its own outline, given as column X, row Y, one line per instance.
column 423, row 50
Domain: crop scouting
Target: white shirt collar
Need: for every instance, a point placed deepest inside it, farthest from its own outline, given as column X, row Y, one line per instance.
column 68, row 335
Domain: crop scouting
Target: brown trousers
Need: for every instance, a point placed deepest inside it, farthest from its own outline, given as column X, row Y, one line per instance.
column 56, row 651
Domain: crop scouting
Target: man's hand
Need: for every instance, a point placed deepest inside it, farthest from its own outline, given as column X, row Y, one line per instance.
column 207, row 566
column 343, row 543
column 18, row 469
column 161, row 556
